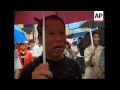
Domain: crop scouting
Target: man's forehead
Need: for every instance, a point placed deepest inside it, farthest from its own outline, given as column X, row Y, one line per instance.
column 51, row 25
column 50, row 21
column 96, row 34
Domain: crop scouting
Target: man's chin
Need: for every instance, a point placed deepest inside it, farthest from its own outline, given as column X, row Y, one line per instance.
column 57, row 56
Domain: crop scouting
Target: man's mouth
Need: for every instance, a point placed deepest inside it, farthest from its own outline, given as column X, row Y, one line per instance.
column 58, row 47
column 97, row 41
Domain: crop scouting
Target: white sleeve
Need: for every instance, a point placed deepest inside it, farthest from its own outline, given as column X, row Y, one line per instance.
column 40, row 50
column 17, row 64
column 37, row 51
column 86, row 54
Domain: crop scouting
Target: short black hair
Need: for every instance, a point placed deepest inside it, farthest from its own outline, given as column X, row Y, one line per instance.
column 40, row 22
column 31, row 41
column 94, row 33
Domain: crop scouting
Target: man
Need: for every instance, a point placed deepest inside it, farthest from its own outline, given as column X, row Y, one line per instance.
column 36, row 50
column 68, row 52
column 79, row 58
column 92, row 56
column 80, row 46
column 17, row 65
column 57, row 66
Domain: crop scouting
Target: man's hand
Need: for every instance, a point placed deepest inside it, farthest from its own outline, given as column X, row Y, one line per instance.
column 89, row 62
column 42, row 72
column 93, row 52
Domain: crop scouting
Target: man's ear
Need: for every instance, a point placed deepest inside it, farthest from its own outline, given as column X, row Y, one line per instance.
column 40, row 39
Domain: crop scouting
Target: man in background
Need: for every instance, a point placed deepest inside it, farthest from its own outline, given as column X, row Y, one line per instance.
column 17, row 65
column 35, row 49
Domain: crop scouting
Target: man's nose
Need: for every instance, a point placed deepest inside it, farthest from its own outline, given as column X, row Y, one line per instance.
column 58, row 37
column 98, row 39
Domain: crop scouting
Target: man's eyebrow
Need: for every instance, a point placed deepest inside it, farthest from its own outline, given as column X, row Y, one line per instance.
column 62, row 29
column 51, row 30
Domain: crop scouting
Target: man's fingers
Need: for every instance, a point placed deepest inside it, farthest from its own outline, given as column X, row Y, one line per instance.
column 39, row 77
column 42, row 71
column 46, row 73
column 43, row 66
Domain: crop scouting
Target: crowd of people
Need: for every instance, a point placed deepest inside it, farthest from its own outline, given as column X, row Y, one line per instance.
column 25, row 53
column 63, row 61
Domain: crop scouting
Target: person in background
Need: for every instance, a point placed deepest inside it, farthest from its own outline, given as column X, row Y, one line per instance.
column 36, row 50
column 80, row 46
column 24, row 55
column 92, row 57
column 74, row 49
column 79, row 40
column 79, row 59
column 29, row 47
column 17, row 64
column 68, row 51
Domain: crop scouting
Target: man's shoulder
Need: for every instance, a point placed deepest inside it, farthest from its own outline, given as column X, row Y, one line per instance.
column 101, row 47
column 75, row 67
column 70, row 60
column 67, row 58
column 36, row 47
column 88, row 48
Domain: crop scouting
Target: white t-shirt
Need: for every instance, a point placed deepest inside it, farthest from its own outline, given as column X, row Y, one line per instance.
column 36, row 50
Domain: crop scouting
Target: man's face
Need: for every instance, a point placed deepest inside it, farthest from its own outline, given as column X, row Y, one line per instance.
column 55, row 38
column 31, row 44
column 96, row 39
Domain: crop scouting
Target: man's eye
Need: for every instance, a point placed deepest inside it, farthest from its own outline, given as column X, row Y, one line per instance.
column 62, row 32
column 51, row 33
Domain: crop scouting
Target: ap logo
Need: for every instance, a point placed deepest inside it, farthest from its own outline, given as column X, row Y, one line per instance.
column 98, row 16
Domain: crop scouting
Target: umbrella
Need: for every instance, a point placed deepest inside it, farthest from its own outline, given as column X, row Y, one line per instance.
column 67, row 16
column 77, row 35
column 92, row 24
column 19, row 35
column 80, row 32
column 27, row 17
column 85, row 42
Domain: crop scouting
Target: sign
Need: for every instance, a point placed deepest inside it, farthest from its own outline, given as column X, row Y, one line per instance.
column 21, row 25
column 98, row 16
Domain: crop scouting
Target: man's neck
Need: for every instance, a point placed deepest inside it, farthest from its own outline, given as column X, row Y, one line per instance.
column 33, row 45
column 55, row 59
column 96, row 45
